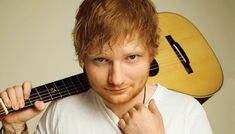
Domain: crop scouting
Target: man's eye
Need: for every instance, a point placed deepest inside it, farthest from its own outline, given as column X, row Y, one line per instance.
column 100, row 59
column 132, row 57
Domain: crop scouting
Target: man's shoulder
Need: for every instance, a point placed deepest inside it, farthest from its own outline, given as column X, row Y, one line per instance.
column 175, row 96
column 173, row 100
column 77, row 97
column 73, row 102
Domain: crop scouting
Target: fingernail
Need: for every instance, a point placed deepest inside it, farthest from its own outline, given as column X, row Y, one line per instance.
column 26, row 98
column 21, row 104
column 8, row 104
column 153, row 101
column 15, row 107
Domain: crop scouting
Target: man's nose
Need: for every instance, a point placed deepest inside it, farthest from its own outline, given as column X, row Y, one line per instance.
column 116, row 76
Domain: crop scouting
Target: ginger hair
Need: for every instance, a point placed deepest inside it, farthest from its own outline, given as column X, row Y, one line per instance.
column 100, row 22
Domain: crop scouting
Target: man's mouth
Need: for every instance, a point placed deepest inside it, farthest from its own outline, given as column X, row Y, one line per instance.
column 117, row 90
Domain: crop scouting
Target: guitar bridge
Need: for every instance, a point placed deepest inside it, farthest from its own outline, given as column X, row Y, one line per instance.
column 180, row 53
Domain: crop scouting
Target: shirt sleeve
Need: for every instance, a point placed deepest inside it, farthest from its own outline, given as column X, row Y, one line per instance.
column 196, row 120
column 48, row 122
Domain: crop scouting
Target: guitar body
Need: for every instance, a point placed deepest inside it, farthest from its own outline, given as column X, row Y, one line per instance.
column 192, row 67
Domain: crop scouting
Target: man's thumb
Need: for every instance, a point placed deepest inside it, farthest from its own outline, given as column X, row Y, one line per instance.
column 39, row 106
column 31, row 112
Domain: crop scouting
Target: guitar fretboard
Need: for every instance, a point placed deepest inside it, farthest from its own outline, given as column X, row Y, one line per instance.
column 57, row 90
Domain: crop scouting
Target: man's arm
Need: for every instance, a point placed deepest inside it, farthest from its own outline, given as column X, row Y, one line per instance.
column 14, row 97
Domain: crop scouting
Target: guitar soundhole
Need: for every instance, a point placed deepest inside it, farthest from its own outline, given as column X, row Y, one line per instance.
column 154, row 69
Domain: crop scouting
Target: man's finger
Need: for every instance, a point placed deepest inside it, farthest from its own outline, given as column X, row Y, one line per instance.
column 27, row 89
column 152, row 107
column 31, row 112
column 12, row 96
column 121, row 124
column 19, row 96
column 132, row 111
column 39, row 106
column 25, row 114
column 6, row 99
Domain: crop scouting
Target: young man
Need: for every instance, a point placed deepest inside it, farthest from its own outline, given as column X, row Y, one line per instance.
column 115, row 41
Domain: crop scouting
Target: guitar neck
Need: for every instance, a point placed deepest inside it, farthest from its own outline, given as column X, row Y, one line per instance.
column 59, row 89
column 56, row 90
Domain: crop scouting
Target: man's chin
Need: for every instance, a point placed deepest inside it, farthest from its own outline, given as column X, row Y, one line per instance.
column 117, row 101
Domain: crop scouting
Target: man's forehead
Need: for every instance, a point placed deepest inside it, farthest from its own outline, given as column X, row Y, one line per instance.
column 108, row 48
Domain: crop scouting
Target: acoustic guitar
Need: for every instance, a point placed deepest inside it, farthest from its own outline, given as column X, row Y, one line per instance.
column 184, row 63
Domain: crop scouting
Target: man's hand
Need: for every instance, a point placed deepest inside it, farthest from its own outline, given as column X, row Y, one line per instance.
column 142, row 120
column 14, row 98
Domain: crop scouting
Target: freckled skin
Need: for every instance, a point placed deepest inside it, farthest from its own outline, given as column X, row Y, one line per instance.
column 125, row 66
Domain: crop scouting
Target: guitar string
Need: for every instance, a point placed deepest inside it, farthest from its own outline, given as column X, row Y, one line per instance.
column 72, row 91
column 172, row 64
column 66, row 90
column 45, row 92
column 168, row 49
column 60, row 92
column 36, row 96
column 40, row 93
column 170, row 57
column 168, row 64
column 165, row 65
column 175, row 58
column 65, row 86
column 45, row 96
column 48, row 99
column 61, row 89
column 167, row 58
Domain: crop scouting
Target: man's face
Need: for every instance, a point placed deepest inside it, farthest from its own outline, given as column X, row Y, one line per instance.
column 119, row 73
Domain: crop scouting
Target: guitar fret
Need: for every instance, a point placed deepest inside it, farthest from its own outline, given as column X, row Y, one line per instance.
column 62, row 88
column 73, row 91
column 85, row 81
column 49, row 92
column 38, row 93
column 42, row 90
column 57, row 90
column 29, row 100
column 66, row 88
column 47, row 99
column 54, row 90
column 79, row 80
column 73, row 84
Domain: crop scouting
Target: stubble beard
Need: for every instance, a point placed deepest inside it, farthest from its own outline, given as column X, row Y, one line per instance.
column 122, row 98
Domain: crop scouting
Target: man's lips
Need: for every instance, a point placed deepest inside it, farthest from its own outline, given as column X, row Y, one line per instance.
column 117, row 90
